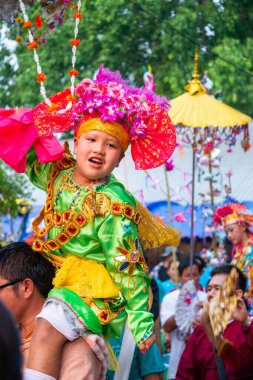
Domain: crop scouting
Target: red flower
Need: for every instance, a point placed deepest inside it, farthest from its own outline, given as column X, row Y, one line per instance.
column 27, row 24
column 38, row 22
column 78, row 15
column 73, row 72
column 188, row 300
column 41, row 77
column 75, row 42
column 33, row 45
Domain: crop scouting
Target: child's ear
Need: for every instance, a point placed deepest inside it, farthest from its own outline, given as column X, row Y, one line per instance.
column 75, row 144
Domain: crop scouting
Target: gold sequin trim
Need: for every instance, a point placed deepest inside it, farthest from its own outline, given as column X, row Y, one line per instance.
column 71, row 222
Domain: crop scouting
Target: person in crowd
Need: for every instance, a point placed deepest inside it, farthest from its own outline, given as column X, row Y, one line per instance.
column 202, row 270
column 237, row 221
column 167, row 314
column 160, row 271
column 172, row 283
column 25, row 280
column 10, row 355
column 199, row 360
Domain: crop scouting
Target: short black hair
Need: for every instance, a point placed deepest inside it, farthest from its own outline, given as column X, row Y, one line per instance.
column 20, row 261
column 185, row 264
column 226, row 269
column 200, row 262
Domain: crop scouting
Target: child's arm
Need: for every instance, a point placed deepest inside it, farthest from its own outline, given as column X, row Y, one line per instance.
column 18, row 134
column 38, row 173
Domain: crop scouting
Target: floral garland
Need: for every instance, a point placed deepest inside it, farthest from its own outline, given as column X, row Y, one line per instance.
column 34, row 45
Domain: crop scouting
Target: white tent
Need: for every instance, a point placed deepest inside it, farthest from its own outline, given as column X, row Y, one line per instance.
column 153, row 188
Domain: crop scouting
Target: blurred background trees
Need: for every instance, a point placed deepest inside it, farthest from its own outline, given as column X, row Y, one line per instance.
column 128, row 36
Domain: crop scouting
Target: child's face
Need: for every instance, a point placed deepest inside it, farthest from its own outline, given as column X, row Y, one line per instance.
column 235, row 232
column 97, row 154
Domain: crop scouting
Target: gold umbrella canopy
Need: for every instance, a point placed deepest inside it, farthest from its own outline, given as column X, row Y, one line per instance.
column 203, row 119
column 197, row 109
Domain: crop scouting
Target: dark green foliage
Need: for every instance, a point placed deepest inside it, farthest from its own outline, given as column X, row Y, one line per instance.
column 128, row 35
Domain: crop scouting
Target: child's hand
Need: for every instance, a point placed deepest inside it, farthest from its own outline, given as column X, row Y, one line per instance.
column 145, row 346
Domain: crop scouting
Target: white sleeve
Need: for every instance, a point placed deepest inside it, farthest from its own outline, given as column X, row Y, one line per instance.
column 168, row 307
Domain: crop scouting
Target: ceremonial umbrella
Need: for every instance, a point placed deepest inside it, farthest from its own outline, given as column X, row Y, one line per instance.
column 203, row 121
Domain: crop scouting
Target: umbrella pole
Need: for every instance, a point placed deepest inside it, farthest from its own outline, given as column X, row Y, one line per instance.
column 168, row 196
column 214, row 245
column 192, row 210
column 171, row 221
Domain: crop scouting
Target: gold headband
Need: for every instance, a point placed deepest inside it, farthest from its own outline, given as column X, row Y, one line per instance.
column 230, row 219
column 112, row 128
column 235, row 218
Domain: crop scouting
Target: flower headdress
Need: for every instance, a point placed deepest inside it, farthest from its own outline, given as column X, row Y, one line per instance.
column 232, row 213
column 134, row 116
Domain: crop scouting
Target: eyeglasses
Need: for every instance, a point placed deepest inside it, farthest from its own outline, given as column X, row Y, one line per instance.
column 11, row 283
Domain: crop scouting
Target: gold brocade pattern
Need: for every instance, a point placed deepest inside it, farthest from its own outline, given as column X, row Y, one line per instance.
column 105, row 315
column 70, row 222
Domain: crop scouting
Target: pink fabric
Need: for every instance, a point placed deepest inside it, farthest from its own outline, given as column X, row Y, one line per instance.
column 18, row 134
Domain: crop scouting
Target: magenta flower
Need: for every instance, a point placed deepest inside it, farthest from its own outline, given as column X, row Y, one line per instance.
column 115, row 90
column 138, row 129
column 108, row 113
column 169, row 165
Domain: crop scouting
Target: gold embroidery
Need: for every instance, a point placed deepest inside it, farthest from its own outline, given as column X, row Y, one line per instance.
column 71, row 222
column 105, row 315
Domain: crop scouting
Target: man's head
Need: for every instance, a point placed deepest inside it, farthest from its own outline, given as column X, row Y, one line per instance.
column 23, row 273
column 219, row 276
column 184, row 272
column 201, row 263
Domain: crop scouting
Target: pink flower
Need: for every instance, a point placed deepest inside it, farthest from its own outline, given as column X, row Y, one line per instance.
column 108, row 113
column 138, row 129
column 180, row 217
column 169, row 165
column 115, row 90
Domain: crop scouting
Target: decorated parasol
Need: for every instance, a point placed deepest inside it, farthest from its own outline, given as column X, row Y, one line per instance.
column 202, row 122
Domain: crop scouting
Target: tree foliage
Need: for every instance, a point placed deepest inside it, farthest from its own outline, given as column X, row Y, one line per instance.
column 128, row 35
column 13, row 187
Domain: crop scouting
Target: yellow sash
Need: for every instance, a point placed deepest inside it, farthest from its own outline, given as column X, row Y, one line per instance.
column 86, row 278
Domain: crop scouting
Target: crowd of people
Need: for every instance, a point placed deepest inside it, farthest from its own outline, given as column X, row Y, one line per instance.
column 26, row 279
column 82, row 297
